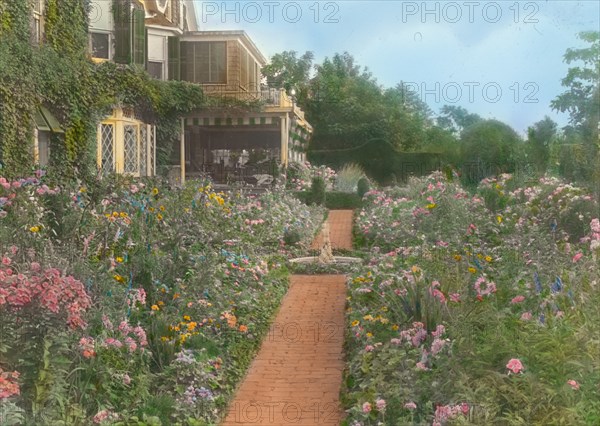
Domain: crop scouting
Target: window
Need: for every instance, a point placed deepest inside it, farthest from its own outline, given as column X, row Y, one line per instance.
column 126, row 145
column 244, row 69
column 204, row 62
column 37, row 20
column 155, row 69
column 43, row 148
column 100, row 45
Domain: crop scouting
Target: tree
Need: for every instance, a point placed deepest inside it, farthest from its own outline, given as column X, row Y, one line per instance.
column 539, row 138
column 582, row 101
column 488, row 147
column 287, row 71
column 582, row 97
column 456, row 118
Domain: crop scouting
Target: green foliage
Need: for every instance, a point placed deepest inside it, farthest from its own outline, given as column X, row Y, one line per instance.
column 317, row 190
column 335, row 200
column 488, row 148
column 348, row 177
column 539, row 138
column 362, row 187
column 58, row 74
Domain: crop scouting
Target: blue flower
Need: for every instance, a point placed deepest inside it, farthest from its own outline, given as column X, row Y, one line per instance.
column 538, row 284
column 557, row 286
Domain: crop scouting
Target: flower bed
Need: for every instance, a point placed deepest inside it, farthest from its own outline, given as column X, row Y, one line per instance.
column 131, row 302
column 475, row 309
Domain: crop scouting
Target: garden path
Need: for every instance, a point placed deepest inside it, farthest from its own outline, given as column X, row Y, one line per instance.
column 297, row 374
column 340, row 229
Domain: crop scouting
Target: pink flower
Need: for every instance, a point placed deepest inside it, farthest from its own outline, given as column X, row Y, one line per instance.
column 526, row 316
column 455, row 297
column 126, row 379
column 366, row 407
column 577, row 257
column 573, row 384
column 514, row 365
column 517, row 299
column 410, row 405
column 369, row 348
column 380, row 404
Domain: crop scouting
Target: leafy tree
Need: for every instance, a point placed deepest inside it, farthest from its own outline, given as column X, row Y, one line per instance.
column 582, row 97
column 288, row 71
column 488, row 147
column 582, row 101
column 456, row 118
column 539, row 138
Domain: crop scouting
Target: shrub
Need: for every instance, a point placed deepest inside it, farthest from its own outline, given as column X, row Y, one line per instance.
column 348, row 178
column 342, row 201
column 362, row 186
column 317, row 191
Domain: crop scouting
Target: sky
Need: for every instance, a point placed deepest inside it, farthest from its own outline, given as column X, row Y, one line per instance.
column 499, row 59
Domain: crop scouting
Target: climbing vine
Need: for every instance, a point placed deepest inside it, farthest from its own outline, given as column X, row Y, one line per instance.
column 57, row 73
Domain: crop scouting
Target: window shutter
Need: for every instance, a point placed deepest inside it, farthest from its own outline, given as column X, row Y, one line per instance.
column 139, row 37
column 174, row 58
column 122, row 17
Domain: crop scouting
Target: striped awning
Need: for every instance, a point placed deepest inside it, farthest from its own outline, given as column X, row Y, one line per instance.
column 231, row 121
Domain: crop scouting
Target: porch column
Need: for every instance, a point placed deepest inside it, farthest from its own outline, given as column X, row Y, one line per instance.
column 284, row 140
column 182, row 154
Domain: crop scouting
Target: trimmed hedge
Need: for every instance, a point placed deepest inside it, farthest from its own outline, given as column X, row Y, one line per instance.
column 333, row 200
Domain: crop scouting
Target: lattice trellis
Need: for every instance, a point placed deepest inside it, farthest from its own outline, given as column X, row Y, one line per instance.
column 143, row 149
column 107, row 140
column 131, row 149
column 152, row 148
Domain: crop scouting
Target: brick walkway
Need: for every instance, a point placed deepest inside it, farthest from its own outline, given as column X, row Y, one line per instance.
column 297, row 374
column 340, row 230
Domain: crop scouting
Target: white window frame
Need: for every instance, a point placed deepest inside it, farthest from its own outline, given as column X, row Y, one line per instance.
column 110, row 45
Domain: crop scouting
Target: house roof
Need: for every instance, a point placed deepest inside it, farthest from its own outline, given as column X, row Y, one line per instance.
column 240, row 35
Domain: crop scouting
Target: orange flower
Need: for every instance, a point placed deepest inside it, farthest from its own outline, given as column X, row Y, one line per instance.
column 243, row 328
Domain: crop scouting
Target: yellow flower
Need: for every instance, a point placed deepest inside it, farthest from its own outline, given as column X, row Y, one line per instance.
column 159, row 216
column 395, row 327
column 34, row 229
column 369, row 334
column 151, row 209
column 191, row 326
column 123, row 214
column 154, row 308
column 162, row 208
column 431, row 206
column 415, row 269
column 119, row 259
column 457, row 257
column 82, row 189
column 368, row 317
column 499, row 219
column 164, row 338
column 384, row 320
column 115, row 214
column 187, row 317
column 119, row 278
column 479, row 255
column 472, row 270
column 488, row 258
column 355, row 323
column 384, row 308
column 161, row 303
column 155, row 191
column 498, row 186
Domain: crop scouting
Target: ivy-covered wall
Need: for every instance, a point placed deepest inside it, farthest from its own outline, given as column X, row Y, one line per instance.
column 59, row 74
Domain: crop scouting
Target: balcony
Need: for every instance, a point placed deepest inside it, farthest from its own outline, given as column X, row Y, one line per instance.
column 273, row 100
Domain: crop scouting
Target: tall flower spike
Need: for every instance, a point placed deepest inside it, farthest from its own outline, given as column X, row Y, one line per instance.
column 538, row 284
